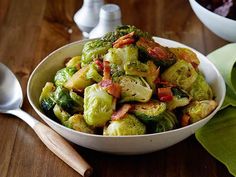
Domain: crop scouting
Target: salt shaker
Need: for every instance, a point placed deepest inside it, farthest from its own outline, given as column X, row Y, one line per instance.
column 109, row 19
column 88, row 16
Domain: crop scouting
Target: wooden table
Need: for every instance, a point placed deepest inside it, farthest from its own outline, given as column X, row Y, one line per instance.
column 31, row 29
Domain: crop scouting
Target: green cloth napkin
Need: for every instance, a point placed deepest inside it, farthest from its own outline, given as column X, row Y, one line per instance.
column 218, row 136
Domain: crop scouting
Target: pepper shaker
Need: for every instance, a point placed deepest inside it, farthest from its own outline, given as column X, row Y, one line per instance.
column 109, row 19
column 88, row 16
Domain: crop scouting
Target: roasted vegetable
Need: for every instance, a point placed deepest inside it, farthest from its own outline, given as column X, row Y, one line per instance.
column 152, row 74
column 123, row 30
column 46, row 98
column 150, row 50
column 198, row 110
column 79, row 80
column 180, row 98
column 187, row 55
column 200, row 89
column 62, row 115
column 151, row 111
column 125, row 60
column 98, row 106
column 78, row 123
column 77, row 99
column 93, row 50
column 168, row 122
column 129, row 125
column 93, row 73
column 134, row 89
column 63, row 75
column 181, row 74
column 63, row 99
column 74, row 62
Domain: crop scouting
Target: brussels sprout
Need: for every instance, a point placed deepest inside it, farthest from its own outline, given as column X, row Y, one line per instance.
column 136, row 68
column 46, row 98
column 78, row 123
column 77, row 99
column 63, row 75
column 79, row 81
column 93, row 73
column 180, row 98
column 62, row 115
column 186, row 54
column 150, row 50
column 134, row 89
column 198, row 110
column 93, row 50
column 152, row 75
column 123, row 30
column 181, row 74
column 200, row 89
column 168, row 122
column 98, row 106
column 64, row 100
column 150, row 111
column 129, row 125
column 121, row 59
column 74, row 62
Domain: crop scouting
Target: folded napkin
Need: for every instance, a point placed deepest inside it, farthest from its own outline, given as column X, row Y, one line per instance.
column 218, row 136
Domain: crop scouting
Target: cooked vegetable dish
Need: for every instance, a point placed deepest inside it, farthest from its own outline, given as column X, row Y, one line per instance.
column 127, row 84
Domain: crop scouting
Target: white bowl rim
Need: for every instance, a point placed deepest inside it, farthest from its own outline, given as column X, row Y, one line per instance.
column 215, row 14
column 125, row 136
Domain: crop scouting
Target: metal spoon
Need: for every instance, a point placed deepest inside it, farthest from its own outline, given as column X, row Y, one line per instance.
column 11, row 100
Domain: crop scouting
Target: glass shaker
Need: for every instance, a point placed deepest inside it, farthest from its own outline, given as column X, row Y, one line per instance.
column 88, row 16
column 109, row 19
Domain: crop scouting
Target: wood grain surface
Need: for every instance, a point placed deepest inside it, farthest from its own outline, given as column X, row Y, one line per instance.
column 31, row 29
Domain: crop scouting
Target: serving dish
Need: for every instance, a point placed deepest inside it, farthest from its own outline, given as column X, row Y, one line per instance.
column 135, row 144
column 221, row 26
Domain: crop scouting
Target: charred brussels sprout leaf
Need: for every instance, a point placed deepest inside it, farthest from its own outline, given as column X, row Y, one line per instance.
column 63, row 75
column 129, row 125
column 98, row 106
column 93, row 50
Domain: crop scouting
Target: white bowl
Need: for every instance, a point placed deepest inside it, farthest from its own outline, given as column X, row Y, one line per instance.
column 221, row 26
column 137, row 144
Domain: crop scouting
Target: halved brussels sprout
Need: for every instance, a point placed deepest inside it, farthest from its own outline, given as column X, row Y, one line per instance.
column 186, row 54
column 78, row 123
column 98, row 106
column 200, row 89
column 74, row 62
column 181, row 74
column 63, row 99
column 180, row 98
column 46, row 98
column 93, row 50
column 168, row 122
column 150, row 111
column 134, row 89
column 198, row 110
column 93, row 73
column 62, row 115
column 152, row 75
column 79, row 80
column 63, row 75
column 128, row 125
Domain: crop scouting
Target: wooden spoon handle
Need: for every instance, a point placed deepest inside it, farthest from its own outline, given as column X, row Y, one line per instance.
column 62, row 149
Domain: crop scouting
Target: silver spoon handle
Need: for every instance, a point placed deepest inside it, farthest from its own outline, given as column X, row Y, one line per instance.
column 58, row 145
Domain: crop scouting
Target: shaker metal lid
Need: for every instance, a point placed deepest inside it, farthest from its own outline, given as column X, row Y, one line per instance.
column 110, row 12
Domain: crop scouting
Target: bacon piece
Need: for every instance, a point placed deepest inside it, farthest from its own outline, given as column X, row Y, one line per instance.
column 106, row 70
column 158, row 52
column 124, row 40
column 114, row 89
column 121, row 112
column 185, row 120
column 99, row 64
column 165, row 94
